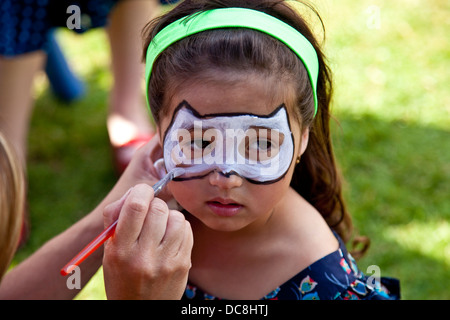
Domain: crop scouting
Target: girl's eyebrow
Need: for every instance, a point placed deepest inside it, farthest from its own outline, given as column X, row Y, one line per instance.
column 185, row 104
column 193, row 128
column 278, row 134
column 261, row 128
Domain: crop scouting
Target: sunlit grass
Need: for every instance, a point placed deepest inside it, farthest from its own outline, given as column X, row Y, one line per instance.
column 393, row 138
column 396, row 68
column 429, row 239
column 94, row 290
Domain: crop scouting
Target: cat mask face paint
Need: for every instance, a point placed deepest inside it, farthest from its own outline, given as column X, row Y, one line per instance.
column 257, row 148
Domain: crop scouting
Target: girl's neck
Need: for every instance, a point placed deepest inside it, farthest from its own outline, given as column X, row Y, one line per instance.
column 274, row 251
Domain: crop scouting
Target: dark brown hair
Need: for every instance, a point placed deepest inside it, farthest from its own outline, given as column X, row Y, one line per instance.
column 316, row 177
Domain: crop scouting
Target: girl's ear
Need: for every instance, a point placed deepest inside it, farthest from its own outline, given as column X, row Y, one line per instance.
column 303, row 142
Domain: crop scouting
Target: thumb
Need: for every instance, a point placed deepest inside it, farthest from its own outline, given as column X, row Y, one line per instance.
column 111, row 212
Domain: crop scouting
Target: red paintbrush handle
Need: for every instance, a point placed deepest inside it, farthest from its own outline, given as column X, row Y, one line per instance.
column 87, row 251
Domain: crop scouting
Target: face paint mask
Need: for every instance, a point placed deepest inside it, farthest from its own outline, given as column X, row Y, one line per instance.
column 257, row 148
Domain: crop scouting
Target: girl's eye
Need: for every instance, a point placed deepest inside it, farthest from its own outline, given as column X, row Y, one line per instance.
column 260, row 144
column 264, row 144
column 200, row 143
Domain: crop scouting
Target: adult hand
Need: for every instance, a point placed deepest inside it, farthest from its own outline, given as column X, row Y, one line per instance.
column 149, row 256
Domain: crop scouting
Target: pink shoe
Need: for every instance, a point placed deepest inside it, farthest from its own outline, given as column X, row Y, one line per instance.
column 124, row 152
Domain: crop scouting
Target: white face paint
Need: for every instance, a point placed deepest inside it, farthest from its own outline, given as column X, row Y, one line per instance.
column 258, row 148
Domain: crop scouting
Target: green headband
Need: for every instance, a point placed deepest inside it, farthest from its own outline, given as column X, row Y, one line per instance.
column 235, row 18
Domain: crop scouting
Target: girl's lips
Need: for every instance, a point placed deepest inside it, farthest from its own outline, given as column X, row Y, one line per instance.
column 224, row 207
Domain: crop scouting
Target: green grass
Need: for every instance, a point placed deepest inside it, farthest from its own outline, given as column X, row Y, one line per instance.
column 391, row 137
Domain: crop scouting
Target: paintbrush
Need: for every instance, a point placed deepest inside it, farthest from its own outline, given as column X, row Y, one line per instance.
column 108, row 232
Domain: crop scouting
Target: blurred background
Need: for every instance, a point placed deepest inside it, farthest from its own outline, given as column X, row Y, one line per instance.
column 391, row 64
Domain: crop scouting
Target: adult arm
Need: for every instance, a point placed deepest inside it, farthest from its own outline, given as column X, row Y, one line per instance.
column 38, row 276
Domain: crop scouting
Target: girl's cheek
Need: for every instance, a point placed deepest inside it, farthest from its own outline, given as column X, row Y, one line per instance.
column 185, row 192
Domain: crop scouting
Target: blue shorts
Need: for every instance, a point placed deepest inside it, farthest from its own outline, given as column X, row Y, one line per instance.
column 24, row 24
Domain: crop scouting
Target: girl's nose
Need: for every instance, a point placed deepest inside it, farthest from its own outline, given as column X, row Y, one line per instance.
column 225, row 180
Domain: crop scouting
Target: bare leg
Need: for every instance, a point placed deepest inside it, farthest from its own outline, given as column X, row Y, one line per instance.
column 16, row 100
column 128, row 116
column 16, row 104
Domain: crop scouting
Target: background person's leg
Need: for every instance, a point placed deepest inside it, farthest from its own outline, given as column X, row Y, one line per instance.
column 16, row 98
column 128, row 122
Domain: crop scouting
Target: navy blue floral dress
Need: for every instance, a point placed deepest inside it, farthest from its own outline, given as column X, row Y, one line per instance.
column 333, row 277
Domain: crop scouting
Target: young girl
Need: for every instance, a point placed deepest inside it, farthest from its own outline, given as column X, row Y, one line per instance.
column 241, row 92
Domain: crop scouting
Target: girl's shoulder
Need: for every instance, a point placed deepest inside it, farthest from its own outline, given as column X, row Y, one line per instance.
column 333, row 277
column 336, row 276
column 305, row 259
column 331, row 272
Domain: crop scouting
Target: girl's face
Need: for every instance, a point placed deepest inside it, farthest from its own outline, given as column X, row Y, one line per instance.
column 230, row 202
